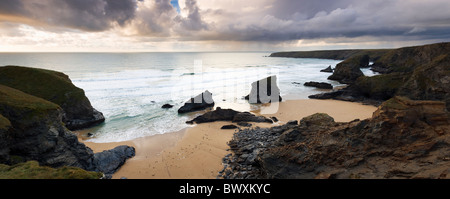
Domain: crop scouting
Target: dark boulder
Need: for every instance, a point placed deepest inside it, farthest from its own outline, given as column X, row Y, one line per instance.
column 329, row 95
column 248, row 117
column 229, row 127
column 197, row 103
column 167, row 106
column 108, row 162
column 321, row 85
column 217, row 115
column 264, row 91
column 228, row 115
column 274, row 119
column 292, row 122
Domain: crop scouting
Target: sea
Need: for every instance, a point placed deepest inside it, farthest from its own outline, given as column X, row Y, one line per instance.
column 130, row 88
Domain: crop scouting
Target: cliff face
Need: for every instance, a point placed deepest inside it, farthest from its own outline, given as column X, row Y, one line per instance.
column 34, row 129
column 407, row 59
column 395, row 143
column 37, row 132
column 349, row 70
column 419, row 73
column 430, row 81
column 55, row 87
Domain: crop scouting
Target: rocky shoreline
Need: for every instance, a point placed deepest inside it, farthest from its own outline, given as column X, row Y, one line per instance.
column 403, row 139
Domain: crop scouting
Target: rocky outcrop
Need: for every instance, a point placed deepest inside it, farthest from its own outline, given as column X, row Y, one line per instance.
column 403, row 139
column 36, row 132
column 380, row 87
column 321, row 85
column 248, row 117
column 419, row 73
column 405, row 60
column 55, row 87
column 351, row 94
column 197, row 103
column 264, row 91
column 349, row 70
column 429, row 81
column 110, row 161
column 166, row 106
column 246, row 145
column 228, row 115
column 327, row 70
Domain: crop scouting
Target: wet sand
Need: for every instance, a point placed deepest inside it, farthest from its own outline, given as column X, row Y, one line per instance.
column 197, row 152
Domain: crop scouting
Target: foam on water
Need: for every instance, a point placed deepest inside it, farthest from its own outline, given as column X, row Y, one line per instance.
column 130, row 88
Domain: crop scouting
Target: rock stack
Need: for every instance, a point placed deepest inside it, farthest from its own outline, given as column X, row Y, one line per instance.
column 264, row 91
column 200, row 102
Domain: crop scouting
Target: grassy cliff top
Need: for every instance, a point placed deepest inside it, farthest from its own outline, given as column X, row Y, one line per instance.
column 13, row 101
column 32, row 170
column 408, row 58
column 50, row 85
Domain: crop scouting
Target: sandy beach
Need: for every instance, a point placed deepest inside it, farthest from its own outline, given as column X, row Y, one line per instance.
column 197, row 152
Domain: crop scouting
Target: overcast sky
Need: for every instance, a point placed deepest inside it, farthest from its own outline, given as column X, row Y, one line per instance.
column 219, row 25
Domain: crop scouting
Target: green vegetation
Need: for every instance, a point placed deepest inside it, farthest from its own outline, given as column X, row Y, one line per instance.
column 15, row 103
column 32, row 170
column 407, row 59
column 381, row 87
column 439, row 65
column 50, row 85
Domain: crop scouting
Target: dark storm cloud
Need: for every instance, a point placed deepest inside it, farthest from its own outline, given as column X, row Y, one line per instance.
column 89, row 15
column 306, row 19
column 250, row 20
